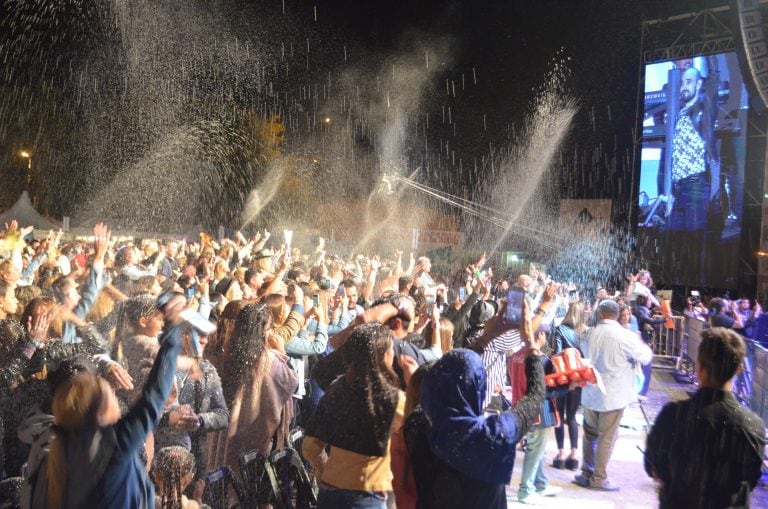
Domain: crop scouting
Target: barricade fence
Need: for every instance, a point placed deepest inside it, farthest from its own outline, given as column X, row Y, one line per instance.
column 675, row 348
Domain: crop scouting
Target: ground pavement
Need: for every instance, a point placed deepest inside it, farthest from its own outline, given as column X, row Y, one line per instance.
column 626, row 466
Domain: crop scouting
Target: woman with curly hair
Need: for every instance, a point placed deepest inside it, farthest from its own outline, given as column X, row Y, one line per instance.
column 356, row 417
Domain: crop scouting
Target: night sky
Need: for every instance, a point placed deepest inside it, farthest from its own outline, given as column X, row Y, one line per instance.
column 509, row 46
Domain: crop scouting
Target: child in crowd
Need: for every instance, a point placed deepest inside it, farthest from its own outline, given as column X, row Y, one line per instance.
column 173, row 470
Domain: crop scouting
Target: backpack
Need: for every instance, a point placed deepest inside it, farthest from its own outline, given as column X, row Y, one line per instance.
column 219, row 485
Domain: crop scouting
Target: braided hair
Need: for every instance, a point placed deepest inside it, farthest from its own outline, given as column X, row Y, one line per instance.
column 171, row 467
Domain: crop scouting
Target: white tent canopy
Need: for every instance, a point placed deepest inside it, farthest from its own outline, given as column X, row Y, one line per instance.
column 26, row 215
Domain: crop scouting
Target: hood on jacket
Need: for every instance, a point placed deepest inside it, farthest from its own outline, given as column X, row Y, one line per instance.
column 479, row 446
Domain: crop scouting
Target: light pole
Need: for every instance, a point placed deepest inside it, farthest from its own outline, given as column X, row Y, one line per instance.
column 28, row 156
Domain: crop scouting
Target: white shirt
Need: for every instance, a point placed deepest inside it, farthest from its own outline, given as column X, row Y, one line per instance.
column 613, row 351
column 641, row 289
column 64, row 265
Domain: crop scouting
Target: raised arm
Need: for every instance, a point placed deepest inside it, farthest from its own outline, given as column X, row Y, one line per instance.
column 132, row 429
column 94, row 281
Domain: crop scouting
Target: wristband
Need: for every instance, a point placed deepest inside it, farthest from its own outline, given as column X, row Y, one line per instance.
column 540, row 311
column 34, row 342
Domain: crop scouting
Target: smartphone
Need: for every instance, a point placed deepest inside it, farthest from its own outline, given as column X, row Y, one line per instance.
column 514, row 315
column 462, row 293
column 695, row 293
column 191, row 291
column 430, row 304
column 316, row 300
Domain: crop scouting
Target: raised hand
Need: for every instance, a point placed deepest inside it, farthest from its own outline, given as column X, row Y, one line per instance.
column 13, row 225
column 37, row 327
column 101, row 236
column 118, row 377
column 549, row 293
column 26, row 231
column 481, row 261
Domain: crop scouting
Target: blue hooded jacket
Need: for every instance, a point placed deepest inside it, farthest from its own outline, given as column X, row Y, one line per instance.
column 478, row 446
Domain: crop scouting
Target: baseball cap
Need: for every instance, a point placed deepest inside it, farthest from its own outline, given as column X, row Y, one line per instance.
column 481, row 312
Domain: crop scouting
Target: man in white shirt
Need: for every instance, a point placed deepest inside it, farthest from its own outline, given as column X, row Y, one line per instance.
column 613, row 351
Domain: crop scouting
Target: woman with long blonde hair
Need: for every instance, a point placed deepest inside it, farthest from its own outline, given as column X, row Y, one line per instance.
column 568, row 335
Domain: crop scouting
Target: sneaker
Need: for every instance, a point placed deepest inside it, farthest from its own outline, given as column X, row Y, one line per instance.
column 532, row 499
column 549, row 491
column 558, row 463
column 606, row 486
column 581, row 481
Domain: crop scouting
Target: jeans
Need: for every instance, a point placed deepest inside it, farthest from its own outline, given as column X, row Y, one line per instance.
column 334, row 498
column 647, row 371
column 690, row 210
column 532, row 478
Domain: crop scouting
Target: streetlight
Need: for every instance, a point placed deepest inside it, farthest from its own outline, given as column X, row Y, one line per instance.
column 28, row 156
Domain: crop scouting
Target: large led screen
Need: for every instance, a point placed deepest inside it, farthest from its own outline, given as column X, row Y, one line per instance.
column 691, row 192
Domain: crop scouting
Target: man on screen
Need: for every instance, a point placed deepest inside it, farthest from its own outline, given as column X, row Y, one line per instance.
column 694, row 164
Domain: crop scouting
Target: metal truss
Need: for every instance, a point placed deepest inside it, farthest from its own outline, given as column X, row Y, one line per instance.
column 697, row 33
column 680, row 51
column 705, row 32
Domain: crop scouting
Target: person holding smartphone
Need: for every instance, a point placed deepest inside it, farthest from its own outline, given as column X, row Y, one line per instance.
column 475, row 470
column 346, row 308
column 494, row 344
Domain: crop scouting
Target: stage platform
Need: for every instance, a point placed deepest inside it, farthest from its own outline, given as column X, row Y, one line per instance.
column 626, row 467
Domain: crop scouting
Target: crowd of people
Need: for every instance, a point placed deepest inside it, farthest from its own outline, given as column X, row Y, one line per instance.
column 131, row 369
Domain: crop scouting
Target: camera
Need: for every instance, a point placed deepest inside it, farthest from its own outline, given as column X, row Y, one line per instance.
column 695, row 297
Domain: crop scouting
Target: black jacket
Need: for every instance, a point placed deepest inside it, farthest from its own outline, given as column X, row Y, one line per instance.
column 703, row 449
column 332, row 366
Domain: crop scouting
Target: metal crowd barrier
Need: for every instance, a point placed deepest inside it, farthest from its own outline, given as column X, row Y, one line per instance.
column 676, row 349
column 667, row 343
column 759, row 380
